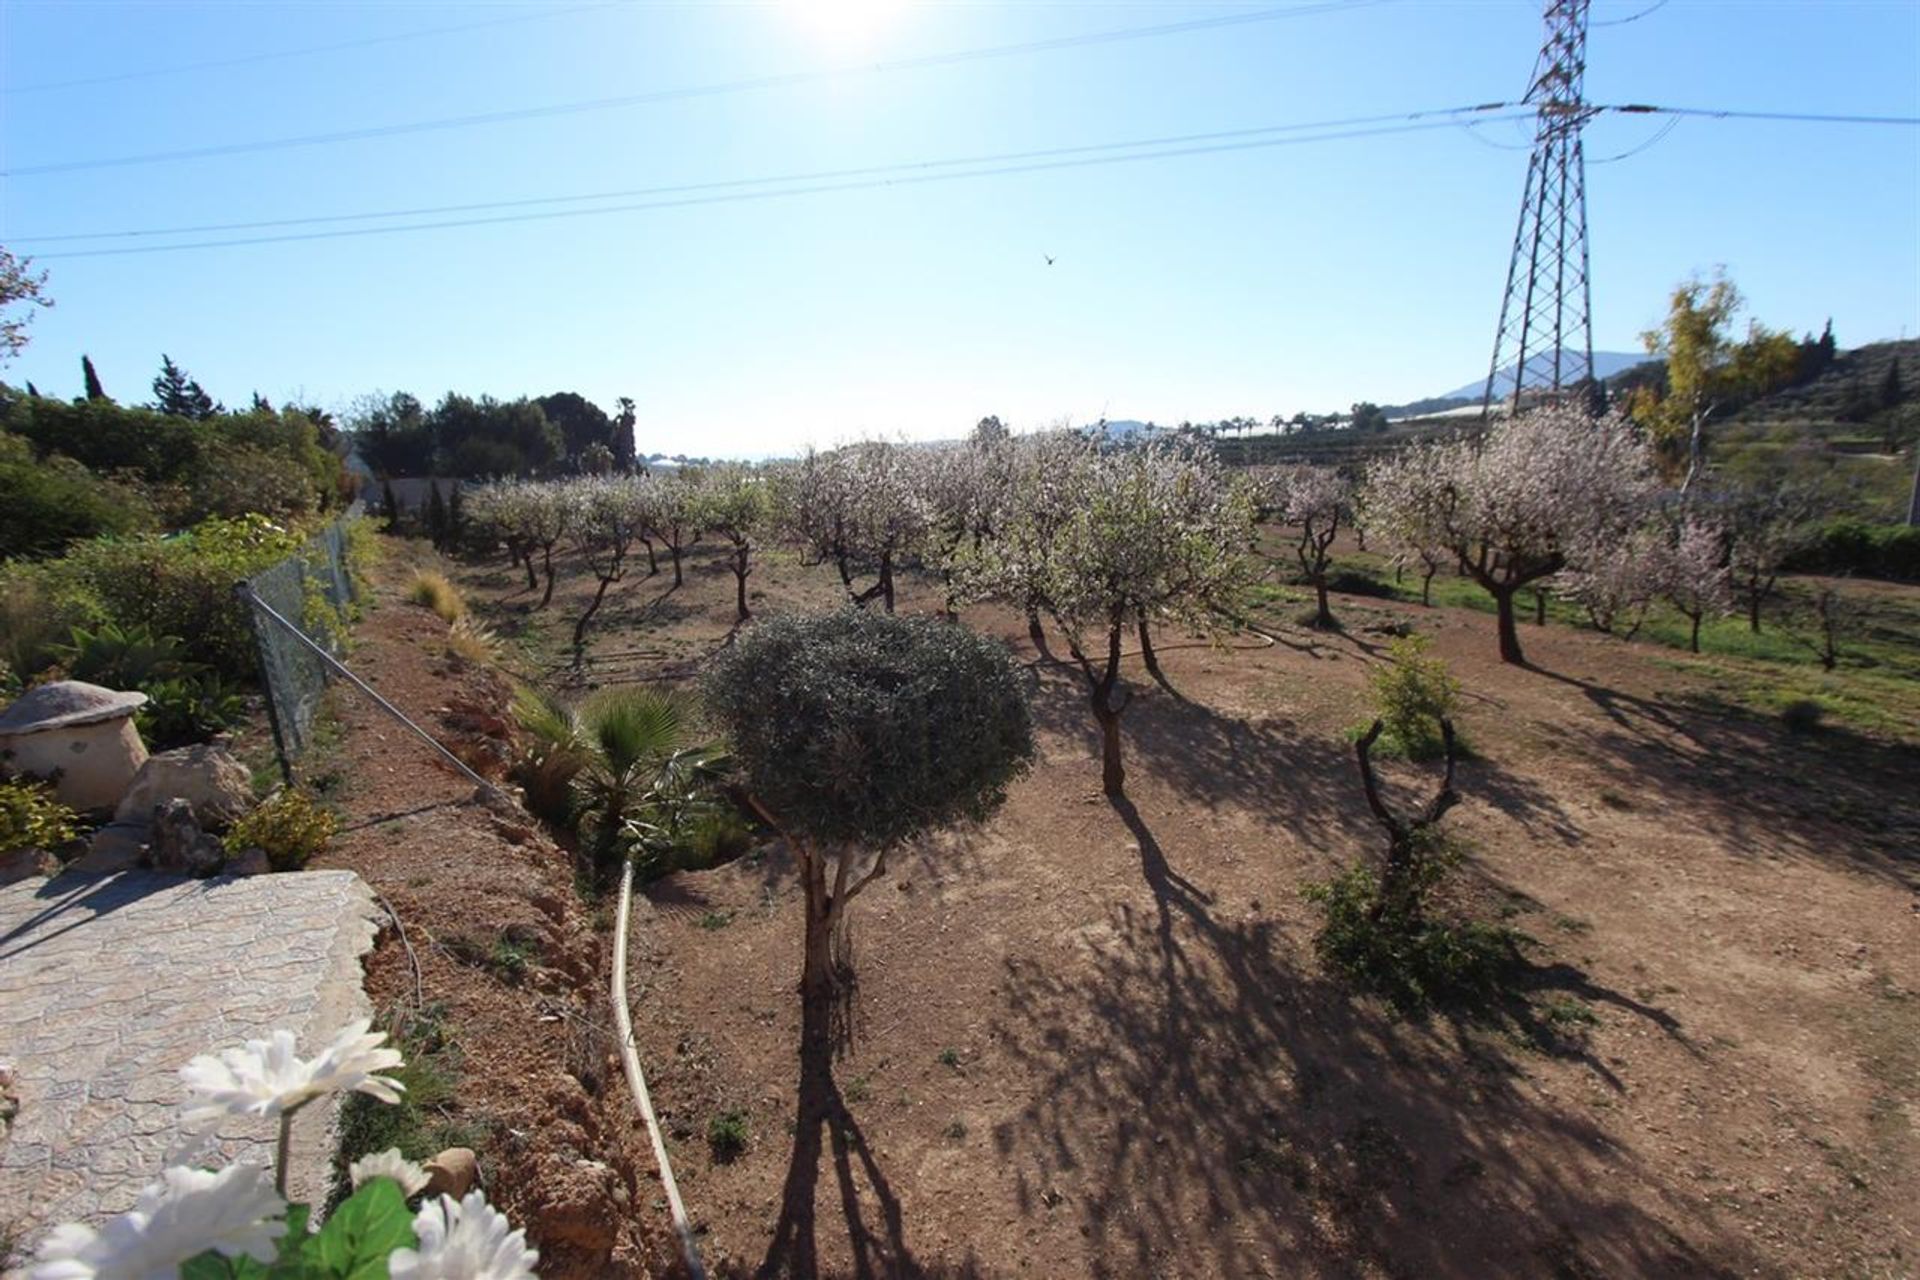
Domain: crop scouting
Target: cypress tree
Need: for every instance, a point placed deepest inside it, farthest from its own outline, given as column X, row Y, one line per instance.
column 1891, row 392
column 456, row 517
column 94, row 390
column 391, row 507
column 32, row 390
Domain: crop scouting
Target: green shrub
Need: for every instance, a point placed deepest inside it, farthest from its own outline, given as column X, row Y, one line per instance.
column 188, row 710
column 40, row 605
column 47, row 505
column 182, row 585
column 1849, row 546
column 718, row 834
column 30, row 817
column 727, row 1135
column 1408, row 959
column 226, row 465
column 422, row 1123
column 1412, row 694
column 1803, row 715
column 290, row 826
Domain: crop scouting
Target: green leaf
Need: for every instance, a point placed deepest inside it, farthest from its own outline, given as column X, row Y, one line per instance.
column 215, row 1266
column 370, row 1225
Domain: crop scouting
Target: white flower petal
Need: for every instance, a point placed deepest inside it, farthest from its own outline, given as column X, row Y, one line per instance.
column 464, row 1240
column 266, row 1077
column 389, row 1164
column 234, row 1212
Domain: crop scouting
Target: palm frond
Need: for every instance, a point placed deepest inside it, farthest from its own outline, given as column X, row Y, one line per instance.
column 633, row 727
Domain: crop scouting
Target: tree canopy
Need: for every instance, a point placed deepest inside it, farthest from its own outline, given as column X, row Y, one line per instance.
column 856, row 727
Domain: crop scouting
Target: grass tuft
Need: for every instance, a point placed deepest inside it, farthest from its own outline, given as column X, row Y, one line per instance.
column 433, row 591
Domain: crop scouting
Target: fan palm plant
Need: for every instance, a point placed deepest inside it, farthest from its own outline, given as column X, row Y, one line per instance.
column 624, row 767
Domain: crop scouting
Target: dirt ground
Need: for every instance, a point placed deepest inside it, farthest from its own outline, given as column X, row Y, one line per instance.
column 530, row 1045
column 1094, row 1040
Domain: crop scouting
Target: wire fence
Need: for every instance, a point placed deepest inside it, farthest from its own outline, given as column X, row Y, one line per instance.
column 315, row 592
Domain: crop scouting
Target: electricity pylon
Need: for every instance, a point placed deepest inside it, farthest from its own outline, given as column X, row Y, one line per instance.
column 1544, row 344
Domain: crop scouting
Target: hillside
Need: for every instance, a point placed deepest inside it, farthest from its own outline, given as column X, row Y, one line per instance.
column 1846, row 394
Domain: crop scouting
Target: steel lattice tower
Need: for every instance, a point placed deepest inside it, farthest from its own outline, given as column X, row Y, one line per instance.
column 1544, row 344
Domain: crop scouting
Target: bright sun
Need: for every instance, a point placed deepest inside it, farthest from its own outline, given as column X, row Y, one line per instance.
column 845, row 22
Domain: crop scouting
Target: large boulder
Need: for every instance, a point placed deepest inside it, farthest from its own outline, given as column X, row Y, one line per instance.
column 209, row 778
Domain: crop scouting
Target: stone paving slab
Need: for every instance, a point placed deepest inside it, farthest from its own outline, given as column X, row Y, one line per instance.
column 109, row 984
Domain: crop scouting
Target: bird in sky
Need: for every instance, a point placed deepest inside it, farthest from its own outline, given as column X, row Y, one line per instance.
column 1048, row 257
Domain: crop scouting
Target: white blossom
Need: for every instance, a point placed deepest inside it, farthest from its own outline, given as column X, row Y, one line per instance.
column 389, row 1164
column 189, row 1211
column 464, row 1240
column 267, row 1078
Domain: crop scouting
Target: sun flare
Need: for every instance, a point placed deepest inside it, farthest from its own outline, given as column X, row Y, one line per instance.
column 845, row 22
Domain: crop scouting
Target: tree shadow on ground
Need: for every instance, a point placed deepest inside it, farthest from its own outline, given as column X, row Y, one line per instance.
column 1830, row 795
column 826, row 1131
column 1204, row 1106
column 1273, row 767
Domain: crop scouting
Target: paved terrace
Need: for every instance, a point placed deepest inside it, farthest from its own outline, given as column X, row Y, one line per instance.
column 109, row 984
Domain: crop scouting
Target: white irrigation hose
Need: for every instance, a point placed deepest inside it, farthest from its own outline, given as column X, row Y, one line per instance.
column 637, row 1080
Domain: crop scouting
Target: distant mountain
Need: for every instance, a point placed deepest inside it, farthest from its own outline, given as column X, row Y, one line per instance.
column 1605, row 365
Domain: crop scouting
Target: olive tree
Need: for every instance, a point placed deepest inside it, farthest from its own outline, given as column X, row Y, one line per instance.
column 1538, row 493
column 735, row 504
column 1102, row 539
column 858, row 732
column 1311, row 502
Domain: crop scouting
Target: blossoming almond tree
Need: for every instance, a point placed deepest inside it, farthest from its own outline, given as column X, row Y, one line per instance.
column 1399, row 506
column 1537, row 493
column 736, row 503
column 609, row 514
column 858, row 508
column 1103, row 539
column 1691, row 573
column 1312, row 502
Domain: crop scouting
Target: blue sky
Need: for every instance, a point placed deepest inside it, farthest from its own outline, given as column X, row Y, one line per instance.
column 1251, row 281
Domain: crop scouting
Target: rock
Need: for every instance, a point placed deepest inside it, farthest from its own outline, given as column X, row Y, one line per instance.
column 23, row 863
column 453, row 1172
column 179, row 845
column 218, row 786
column 116, row 847
column 249, row 862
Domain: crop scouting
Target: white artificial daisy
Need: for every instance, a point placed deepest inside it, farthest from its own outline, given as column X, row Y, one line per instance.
column 464, row 1240
column 189, row 1211
column 267, row 1078
column 389, row 1164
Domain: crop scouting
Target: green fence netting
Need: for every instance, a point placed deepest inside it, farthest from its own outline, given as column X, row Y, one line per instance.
column 314, row 591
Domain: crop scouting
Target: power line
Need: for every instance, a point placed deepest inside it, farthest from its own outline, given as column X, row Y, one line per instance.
column 906, row 179
column 1651, row 9
column 1659, row 136
column 1802, row 117
column 818, row 175
column 148, row 73
column 777, row 81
